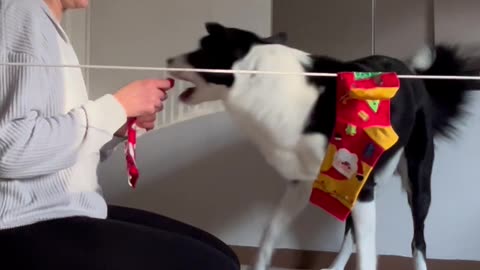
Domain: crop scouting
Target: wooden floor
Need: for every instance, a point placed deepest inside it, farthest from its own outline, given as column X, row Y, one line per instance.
column 299, row 259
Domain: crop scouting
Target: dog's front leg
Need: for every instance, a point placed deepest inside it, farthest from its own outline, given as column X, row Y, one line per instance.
column 295, row 199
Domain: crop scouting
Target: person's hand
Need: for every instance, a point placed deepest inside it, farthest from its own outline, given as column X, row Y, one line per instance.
column 146, row 122
column 143, row 97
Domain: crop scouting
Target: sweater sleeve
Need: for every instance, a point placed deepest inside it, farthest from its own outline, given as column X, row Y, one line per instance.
column 32, row 143
column 107, row 150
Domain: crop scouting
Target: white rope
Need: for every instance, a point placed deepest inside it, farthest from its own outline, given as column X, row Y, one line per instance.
column 373, row 30
column 228, row 71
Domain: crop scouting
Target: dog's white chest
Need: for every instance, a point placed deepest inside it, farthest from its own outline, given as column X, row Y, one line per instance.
column 273, row 111
column 280, row 139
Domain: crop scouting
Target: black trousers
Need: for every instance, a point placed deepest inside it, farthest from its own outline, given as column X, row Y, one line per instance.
column 129, row 239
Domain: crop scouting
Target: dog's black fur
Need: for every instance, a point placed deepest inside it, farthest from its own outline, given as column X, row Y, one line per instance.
column 421, row 110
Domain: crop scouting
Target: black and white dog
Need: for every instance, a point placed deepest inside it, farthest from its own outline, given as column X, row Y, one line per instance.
column 290, row 119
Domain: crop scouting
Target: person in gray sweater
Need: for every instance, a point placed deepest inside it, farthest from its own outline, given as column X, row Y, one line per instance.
column 52, row 138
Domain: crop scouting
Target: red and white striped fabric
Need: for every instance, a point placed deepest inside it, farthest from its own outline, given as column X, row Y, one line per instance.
column 130, row 146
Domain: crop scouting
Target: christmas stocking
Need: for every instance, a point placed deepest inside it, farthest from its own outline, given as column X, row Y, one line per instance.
column 362, row 133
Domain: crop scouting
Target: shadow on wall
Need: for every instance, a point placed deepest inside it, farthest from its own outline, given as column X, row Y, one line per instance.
column 211, row 178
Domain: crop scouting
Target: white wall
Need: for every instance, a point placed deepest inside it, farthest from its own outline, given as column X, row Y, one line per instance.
column 205, row 173
column 76, row 25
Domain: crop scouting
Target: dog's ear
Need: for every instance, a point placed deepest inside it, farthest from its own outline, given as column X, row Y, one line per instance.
column 214, row 28
column 278, row 38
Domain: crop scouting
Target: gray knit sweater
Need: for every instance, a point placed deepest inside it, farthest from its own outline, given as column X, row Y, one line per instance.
column 51, row 135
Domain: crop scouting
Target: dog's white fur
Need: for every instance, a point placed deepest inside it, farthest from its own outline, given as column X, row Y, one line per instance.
column 253, row 102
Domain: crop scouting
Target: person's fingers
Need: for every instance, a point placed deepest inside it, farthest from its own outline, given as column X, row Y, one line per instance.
column 147, row 118
column 147, row 121
column 163, row 84
column 146, row 125
column 162, row 95
column 159, row 107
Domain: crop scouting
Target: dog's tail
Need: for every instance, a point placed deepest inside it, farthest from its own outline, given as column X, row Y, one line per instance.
column 448, row 96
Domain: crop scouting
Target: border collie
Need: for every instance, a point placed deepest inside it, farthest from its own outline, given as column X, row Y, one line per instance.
column 290, row 119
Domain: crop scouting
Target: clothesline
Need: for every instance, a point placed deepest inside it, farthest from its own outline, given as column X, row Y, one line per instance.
column 228, row 71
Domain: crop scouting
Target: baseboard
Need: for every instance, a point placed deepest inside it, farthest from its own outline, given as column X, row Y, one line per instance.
column 302, row 259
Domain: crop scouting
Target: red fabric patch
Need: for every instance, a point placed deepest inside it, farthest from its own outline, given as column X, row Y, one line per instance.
column 130, row 154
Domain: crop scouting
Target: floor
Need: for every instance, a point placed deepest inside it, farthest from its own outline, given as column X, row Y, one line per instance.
column 244, row 267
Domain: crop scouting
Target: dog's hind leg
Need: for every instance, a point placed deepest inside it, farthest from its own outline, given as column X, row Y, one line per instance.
column 368, row 236
column 346, row 249
column 364, row 226
column 295, row 199
column 415, row 170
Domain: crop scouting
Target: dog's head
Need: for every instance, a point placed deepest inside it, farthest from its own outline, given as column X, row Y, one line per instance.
column 218, row 50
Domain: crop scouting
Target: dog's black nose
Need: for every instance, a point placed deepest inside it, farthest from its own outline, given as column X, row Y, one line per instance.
column 170, row 61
